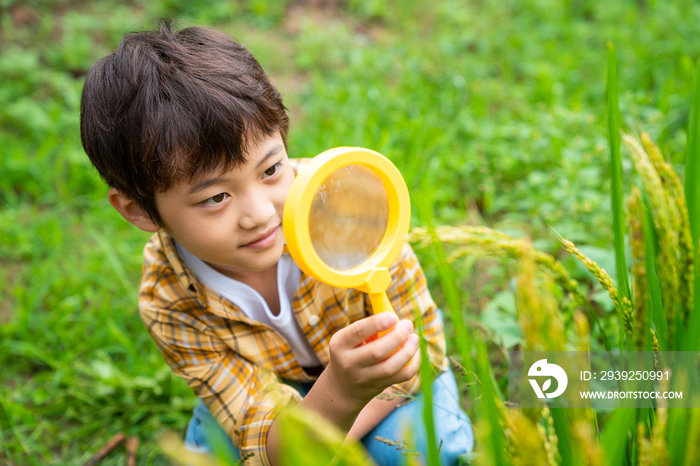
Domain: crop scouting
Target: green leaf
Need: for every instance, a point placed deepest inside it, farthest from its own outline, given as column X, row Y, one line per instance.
column 505, row 328
column 657, row 309
column 615, row 435
column 448, row 280
column 616, row 182
column 220, row 443
column 308, row 439
column 677, row 434
column 562, row 426
column 692, row 199
column 692, row 164
column 426, row 384
column 492, row 436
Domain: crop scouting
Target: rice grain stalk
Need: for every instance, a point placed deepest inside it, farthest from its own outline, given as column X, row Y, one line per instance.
column 529, row 304
column 658, row 452
column 692, row 447
column 656, row 348
column 664, row 225
column 639, row 274
column 537, row 310
column 527, row 442
column 485, row 242
column 546, row 431
column 583, row 332
column 681, row 224
column 525, row 445
column 606, row 282
column 643, row 446
column 588, row 447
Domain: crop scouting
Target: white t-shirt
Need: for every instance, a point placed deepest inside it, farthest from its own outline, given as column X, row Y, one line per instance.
column 254, row 306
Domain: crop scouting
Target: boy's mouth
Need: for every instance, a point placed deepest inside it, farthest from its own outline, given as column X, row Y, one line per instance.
column 263, row 241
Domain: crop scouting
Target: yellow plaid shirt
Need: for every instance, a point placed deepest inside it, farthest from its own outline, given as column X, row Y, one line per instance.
column 235, row 364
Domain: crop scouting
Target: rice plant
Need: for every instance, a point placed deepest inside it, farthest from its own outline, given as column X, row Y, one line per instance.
column 659, row 315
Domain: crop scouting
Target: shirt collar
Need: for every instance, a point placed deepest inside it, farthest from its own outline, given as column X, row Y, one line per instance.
column 183, row 273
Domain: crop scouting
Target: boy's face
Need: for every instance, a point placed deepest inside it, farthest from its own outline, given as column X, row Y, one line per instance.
column 233, row 220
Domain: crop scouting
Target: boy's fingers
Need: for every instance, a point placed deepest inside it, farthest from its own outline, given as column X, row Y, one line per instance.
column 380, row 349
column 408, row 370
column 399, row 364
column 357, row 332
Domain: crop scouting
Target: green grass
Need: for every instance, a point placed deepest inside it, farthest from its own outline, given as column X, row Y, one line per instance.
column 613, row 96
column 495, row 111
column 692, row 193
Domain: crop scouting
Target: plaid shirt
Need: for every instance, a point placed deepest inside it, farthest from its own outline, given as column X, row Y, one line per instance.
column 234, row 364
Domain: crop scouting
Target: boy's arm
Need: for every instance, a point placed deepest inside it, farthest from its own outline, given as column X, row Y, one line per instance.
column 409, row 295
column 374, row 413
column 358, row 370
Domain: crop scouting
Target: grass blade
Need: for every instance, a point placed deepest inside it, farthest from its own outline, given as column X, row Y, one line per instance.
column 616, row 184
column 656, row 306
column 692, row 165
column 448, row 280
column 309, row 439
column 492, row 436
column 692, row 199
column 677, row 434
column 615, row 435
column 426, row 383
column 562, row 426
column 220, row 444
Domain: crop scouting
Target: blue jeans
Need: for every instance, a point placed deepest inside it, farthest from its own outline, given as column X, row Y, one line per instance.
column 452, row 426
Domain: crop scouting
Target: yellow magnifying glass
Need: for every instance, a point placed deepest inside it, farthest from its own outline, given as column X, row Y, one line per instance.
column 346, row 217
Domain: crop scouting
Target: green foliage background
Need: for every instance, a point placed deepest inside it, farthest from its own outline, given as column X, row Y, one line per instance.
column 494, row 111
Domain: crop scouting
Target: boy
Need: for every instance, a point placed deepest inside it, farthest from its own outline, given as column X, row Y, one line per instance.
column 190, row 136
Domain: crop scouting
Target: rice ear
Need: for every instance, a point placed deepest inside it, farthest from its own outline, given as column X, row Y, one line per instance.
column 549, row 436
column 606, row 282
column 537, row 309
column 664, row 217
column 639, row 274
column 477, row 241
column 677, row 203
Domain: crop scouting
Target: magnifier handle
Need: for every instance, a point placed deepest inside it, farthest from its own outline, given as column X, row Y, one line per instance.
column 380, row 303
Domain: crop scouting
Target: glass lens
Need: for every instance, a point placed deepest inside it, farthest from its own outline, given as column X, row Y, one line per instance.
column 349, row 216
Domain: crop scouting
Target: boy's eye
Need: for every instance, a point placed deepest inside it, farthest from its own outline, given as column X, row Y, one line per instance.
column 214, row 200
column 273, row 169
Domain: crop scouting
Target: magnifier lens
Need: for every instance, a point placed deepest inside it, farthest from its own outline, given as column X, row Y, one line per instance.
column 349, row 216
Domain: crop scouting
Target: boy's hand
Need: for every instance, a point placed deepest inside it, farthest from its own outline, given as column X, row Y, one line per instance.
column 361, row 367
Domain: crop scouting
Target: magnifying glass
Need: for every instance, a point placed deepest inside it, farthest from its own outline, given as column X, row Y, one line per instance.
column 345, row 220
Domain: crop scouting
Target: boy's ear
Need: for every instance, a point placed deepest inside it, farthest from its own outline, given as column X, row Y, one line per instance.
column 131, row 211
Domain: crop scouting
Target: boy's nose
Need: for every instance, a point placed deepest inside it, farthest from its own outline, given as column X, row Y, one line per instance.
column 258, row 212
